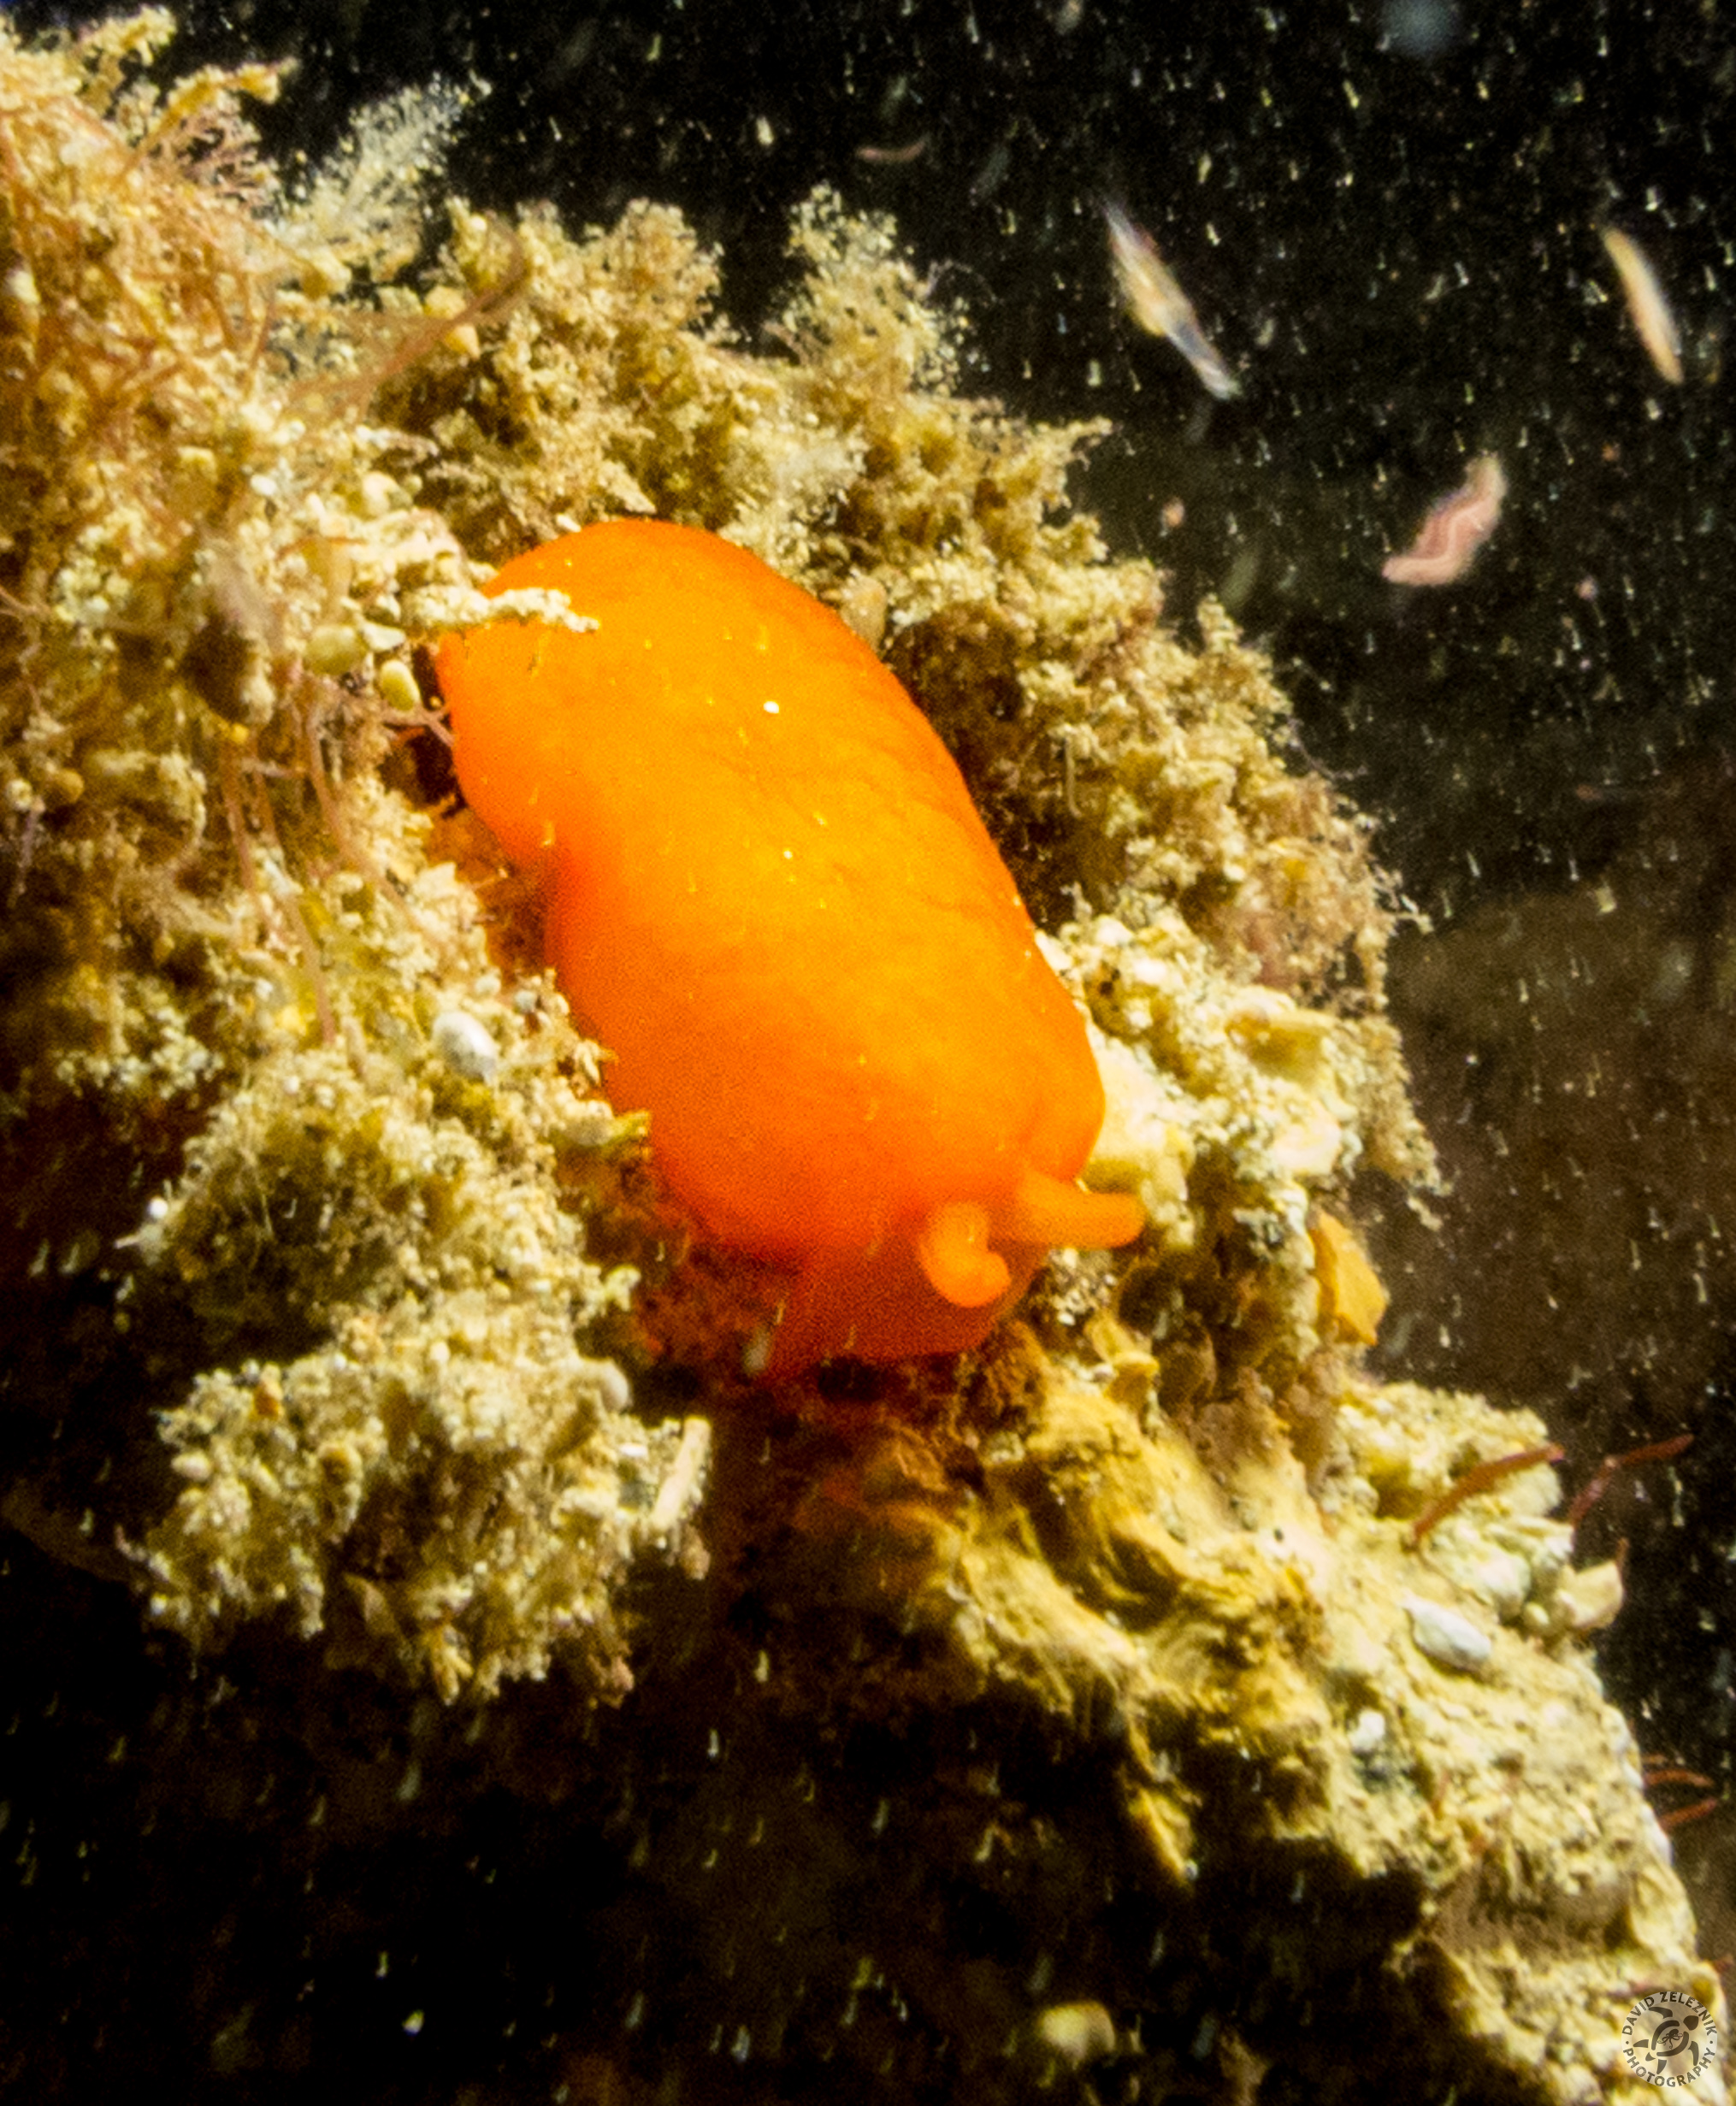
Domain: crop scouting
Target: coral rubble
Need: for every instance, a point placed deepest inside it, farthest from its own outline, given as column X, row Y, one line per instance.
column 340, row 1306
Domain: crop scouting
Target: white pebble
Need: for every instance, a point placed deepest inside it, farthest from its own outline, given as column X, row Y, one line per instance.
column 1590, row 1599
column 1450, row 1639
column 465, row 1046
column 397, row 685
column 1367, row 1730
column 591, row 1124
column 1503, row 1580
column 1076, row 2034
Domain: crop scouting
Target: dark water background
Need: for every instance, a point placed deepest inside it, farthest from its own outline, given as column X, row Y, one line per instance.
column 1386, row 217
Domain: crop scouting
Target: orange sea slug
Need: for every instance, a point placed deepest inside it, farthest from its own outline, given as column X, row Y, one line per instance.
column 772, row 899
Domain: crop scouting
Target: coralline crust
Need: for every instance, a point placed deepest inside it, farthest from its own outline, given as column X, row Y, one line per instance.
column 354, row 1304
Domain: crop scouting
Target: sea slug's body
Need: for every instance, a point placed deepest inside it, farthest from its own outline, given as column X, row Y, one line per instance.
column 772, row 899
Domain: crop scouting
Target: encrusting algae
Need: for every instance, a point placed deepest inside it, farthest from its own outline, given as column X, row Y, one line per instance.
column 340, row 1301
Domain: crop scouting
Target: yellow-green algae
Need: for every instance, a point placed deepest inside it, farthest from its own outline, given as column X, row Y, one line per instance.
column 316, row 1194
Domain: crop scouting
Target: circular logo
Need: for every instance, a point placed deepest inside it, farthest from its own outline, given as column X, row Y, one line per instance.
column 1668, row 2039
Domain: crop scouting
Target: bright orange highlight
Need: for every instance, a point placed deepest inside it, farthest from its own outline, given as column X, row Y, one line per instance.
column 772, row 899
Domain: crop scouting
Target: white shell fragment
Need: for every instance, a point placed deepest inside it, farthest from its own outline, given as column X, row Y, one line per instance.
column 465, row 1045
column 1448, row 1639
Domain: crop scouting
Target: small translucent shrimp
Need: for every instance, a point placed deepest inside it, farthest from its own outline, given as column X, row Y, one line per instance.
column 1157, row 303
column 1652, row 319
